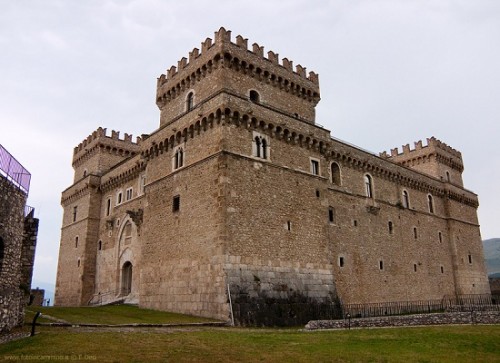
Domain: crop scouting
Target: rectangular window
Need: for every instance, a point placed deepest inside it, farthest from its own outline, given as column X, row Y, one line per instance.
column 341, row 261
column 108, row 207
column 314, row 167
column 176, row 203
column 75, row 211
column 470, row 259
column 128, row 194
column 415, row 267
column 381, row 265
column 331, row 215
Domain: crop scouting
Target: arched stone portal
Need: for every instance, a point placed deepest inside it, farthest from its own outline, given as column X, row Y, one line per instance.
column 126, row 287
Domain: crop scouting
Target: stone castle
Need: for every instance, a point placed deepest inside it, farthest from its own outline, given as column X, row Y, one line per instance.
column 18, row 233
column 240, row 201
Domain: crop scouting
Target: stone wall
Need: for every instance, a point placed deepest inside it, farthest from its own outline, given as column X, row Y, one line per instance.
column 469, row 317
column 12, row 202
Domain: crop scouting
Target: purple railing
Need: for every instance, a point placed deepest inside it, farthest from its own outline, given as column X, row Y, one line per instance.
column 14, row 171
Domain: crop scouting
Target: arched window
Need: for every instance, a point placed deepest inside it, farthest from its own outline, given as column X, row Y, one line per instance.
column 126, row 278
column 261, row 147
column 257, row 144
column 178, row 158
column 335, row 171
column 2, row 249
column 189, row 101
column 76, row 242
column 368, row 186
column 431, row 203
column 254, row 96
column 406, row 199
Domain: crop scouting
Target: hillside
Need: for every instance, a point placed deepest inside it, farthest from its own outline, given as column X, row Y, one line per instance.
column 492, row 255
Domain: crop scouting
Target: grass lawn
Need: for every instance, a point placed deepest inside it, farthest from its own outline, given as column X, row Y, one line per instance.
column 111, row 314
column 427, row 344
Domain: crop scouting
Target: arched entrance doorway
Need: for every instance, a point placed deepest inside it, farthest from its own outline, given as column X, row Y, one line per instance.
column 126, row 287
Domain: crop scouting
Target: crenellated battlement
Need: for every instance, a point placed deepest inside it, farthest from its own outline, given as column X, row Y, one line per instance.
column 223, row 37
column 101, row 133
column 432, row 143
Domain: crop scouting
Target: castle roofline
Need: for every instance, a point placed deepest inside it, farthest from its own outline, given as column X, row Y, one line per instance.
column 221, row 40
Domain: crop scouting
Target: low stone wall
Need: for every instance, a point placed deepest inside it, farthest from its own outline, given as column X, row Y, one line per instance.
column 470, row 317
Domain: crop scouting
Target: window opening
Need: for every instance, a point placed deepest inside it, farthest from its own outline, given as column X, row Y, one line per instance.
column 179, row 158
column 108, row 206
column 440, row 235
column 318, row 194
column 448, row 176
column 289, row 225
column 128, row 194
column 341, row 261
column 355, row 223
column 381, row 265
column 406, row 199
column 76, row 242
column 335, row 171
column 75, row 211
column 314, row 167
column 176, row 203
column 368, row 186
column 415, row 267
column 431, row 203
column 331, row 214
column 254, row 96
column 261, row 148
column 470, row 258
column 391, row 228
column 189, row 101
column 415, row 234
column 99, row 245
column 78, row 263
column 119, row 198
column 126, row 278
column 442, row 269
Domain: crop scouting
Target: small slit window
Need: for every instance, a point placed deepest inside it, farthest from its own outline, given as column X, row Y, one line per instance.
column 341, row 261
column 75, row 212
column 76, row 242
column 381, row 265
column 190, row 101
column 430, row 201
column 99, row 245
column 415, row 233
column 108, row 206
column 470, row 259
column 406, row 199
column 331, row 215
column 176, row 203
column 391, row 227
column 368, row 186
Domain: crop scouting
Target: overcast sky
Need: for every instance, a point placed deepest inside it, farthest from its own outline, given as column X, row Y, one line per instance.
column 391, row 72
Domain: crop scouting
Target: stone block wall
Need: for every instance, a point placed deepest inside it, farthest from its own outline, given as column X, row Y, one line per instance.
column 12, row 290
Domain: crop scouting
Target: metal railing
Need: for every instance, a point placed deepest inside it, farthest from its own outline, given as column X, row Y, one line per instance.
column 14, row 171
column 447, row 303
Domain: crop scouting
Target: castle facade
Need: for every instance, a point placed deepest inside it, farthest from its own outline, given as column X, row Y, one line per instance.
column 240, row 200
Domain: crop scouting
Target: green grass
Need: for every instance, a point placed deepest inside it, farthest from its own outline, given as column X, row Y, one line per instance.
column 429, row 344
column 111, row 314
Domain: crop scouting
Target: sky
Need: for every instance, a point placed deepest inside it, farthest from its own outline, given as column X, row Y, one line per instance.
column 391, row 72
